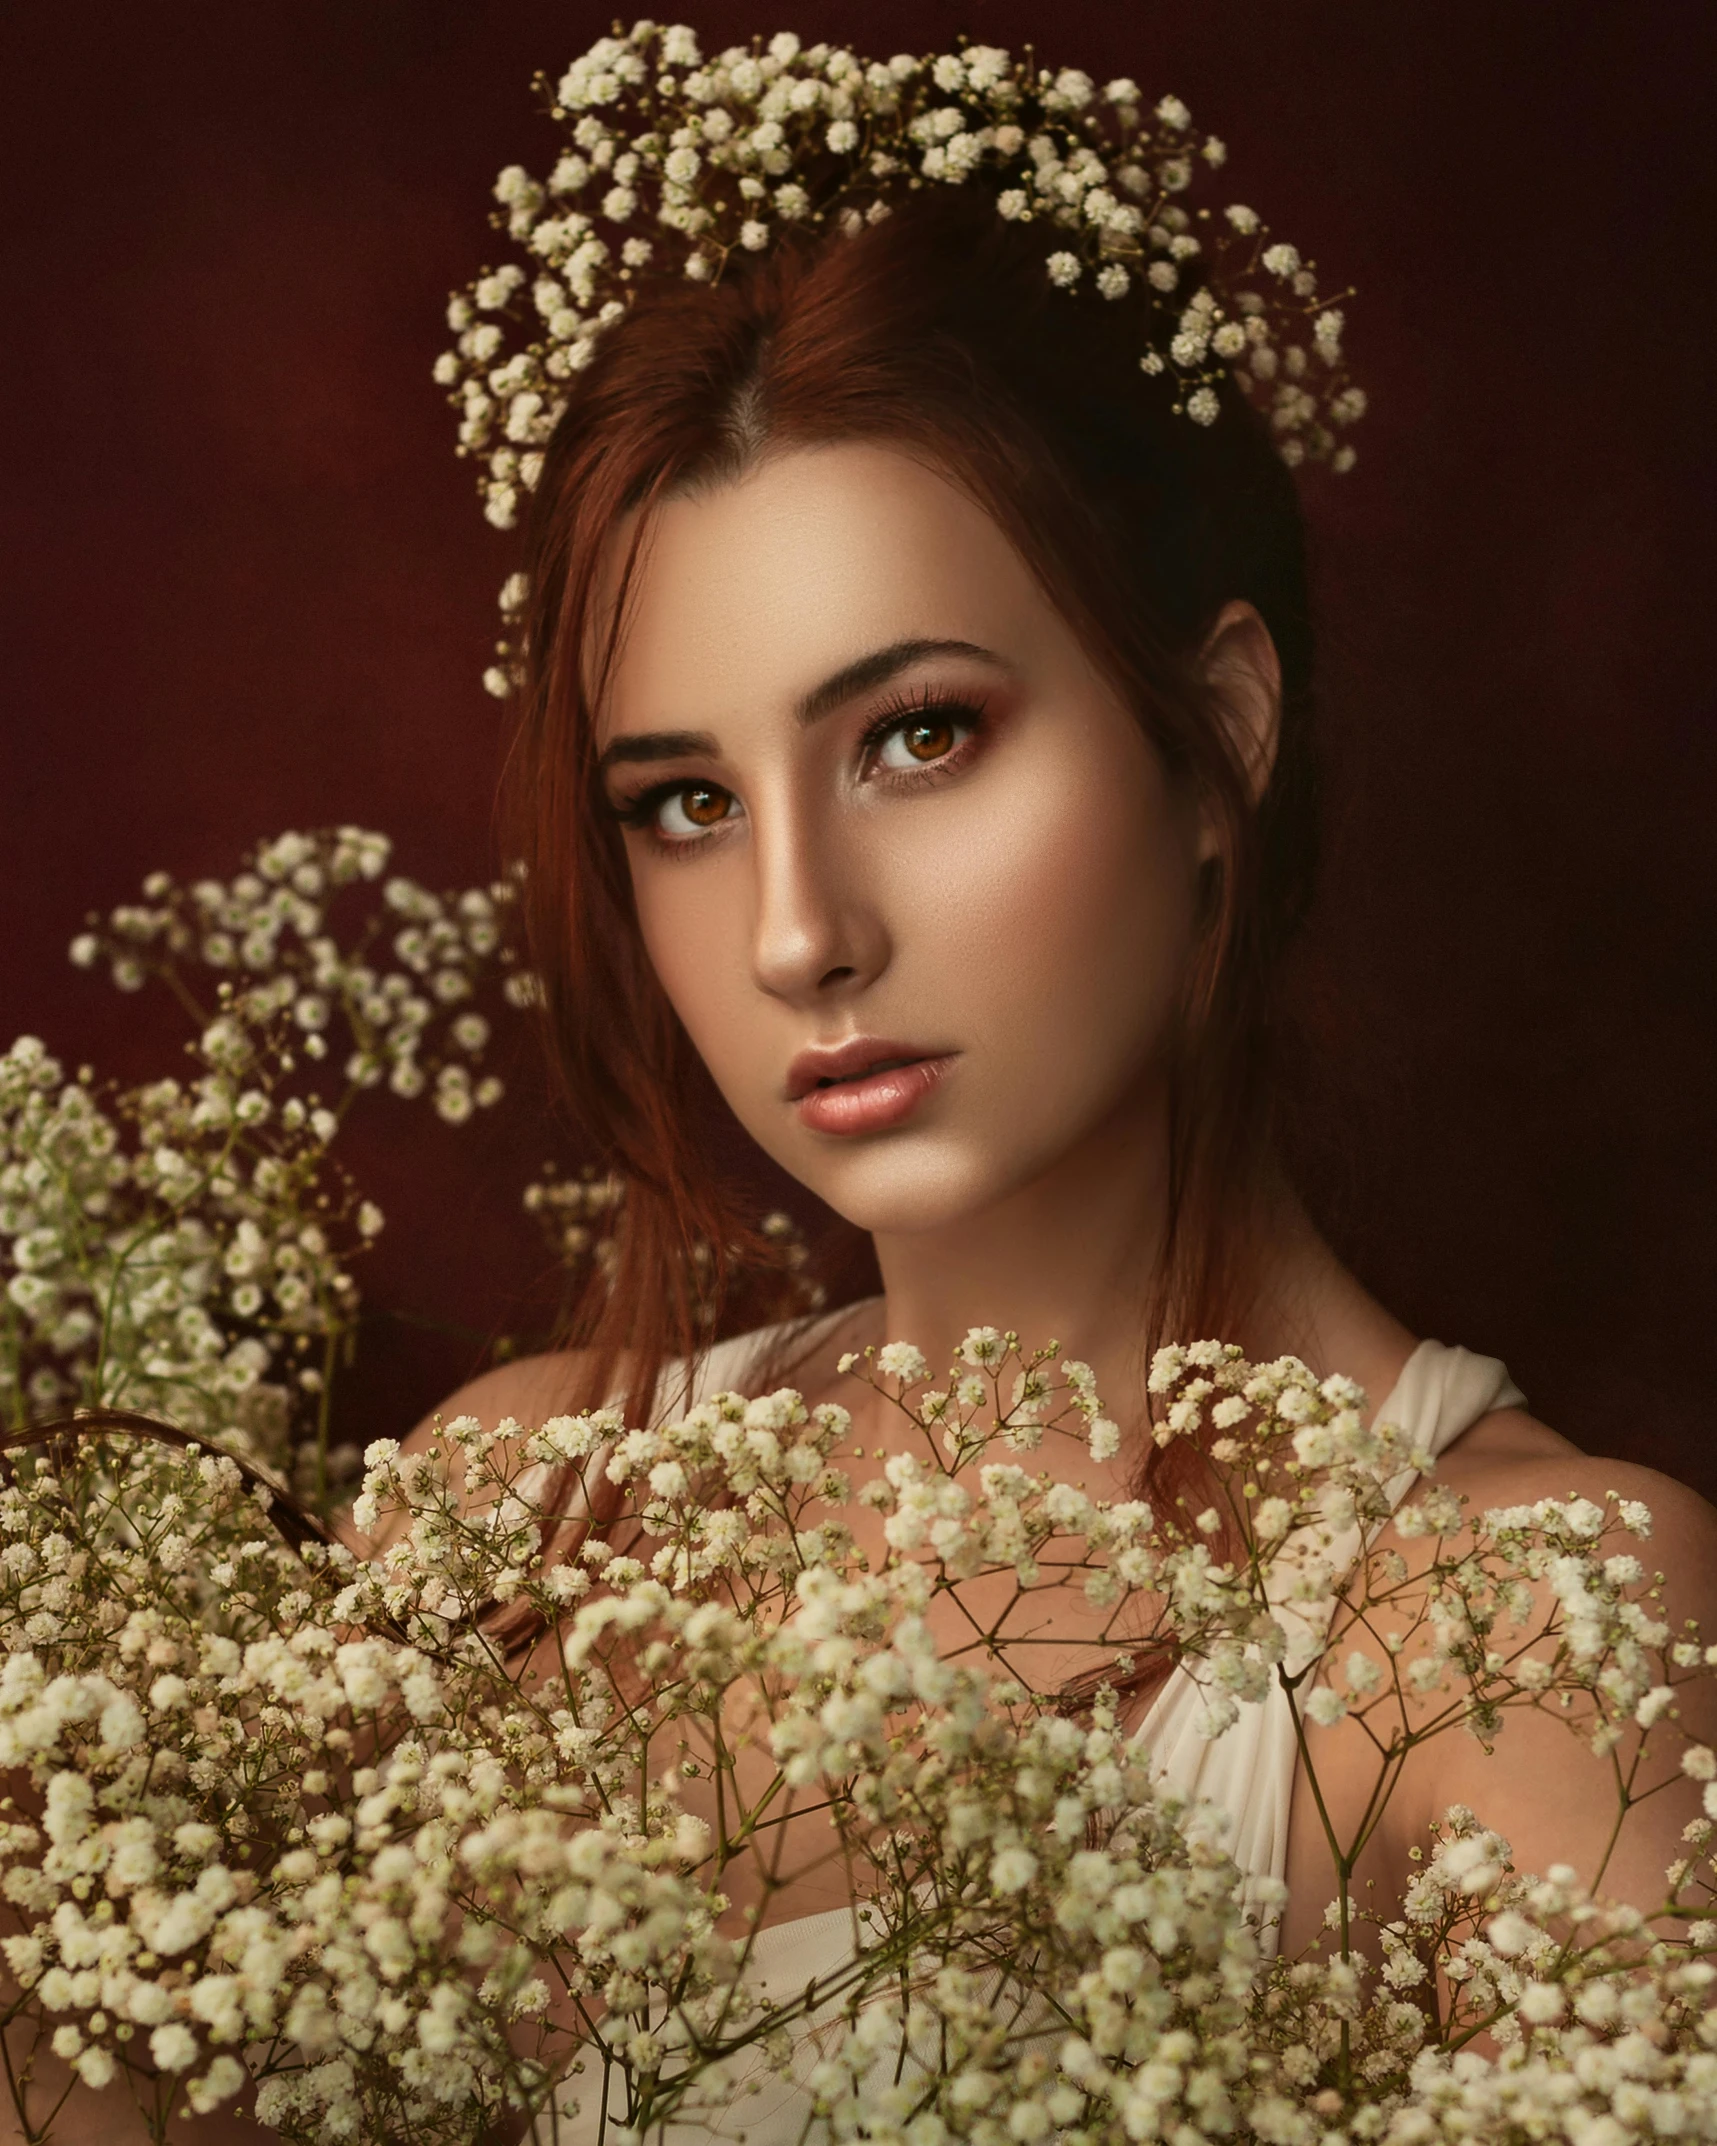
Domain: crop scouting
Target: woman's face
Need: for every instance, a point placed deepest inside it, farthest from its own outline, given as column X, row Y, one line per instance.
column 909, row 872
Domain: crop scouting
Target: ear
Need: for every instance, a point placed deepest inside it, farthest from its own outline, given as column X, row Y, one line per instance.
column 1244, row 675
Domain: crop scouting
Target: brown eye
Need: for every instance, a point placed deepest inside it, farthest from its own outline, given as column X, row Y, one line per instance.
column 920, row 740
column 695, row 810
column 929, row 741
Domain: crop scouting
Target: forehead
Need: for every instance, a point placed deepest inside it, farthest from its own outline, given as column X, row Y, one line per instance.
column 751, row 592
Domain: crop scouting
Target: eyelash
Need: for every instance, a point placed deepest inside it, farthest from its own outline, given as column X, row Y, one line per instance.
column 958, row 708
column 961, row 709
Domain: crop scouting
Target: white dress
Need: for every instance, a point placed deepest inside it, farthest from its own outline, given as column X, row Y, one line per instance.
column 1248, row 1772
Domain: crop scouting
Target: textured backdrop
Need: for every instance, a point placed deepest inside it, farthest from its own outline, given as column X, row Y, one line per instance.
column 247, row 586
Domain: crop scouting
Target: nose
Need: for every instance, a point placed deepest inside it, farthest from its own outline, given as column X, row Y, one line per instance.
column 818, row 932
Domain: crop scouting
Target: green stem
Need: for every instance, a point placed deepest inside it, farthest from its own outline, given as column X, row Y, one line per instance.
column 1343, row 1863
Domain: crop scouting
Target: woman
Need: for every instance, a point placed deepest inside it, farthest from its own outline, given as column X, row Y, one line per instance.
column 918, row 750
column 918, row 753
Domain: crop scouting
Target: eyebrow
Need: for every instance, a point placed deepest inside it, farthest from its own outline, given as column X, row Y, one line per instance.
column 863, row 675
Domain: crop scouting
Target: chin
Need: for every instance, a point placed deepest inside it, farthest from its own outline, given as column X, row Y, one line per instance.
column 899, row 1185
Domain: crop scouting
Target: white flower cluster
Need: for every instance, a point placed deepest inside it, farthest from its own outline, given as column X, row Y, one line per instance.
column 1086, row 1970
column 579, row 1216
column 182, row 1248
column 198, row 1855
column 1589, row 2049
column 292, row 1817
column 673, row 164
column 178, row 1252
column 269, row 937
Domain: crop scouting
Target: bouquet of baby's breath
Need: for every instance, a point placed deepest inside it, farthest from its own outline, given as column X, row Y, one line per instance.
column 285, row 1816
column 492, row 1825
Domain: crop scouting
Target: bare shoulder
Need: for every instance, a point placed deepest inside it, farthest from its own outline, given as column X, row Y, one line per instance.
column 1510, row 1458
column 528, row 1391
column 1539, row 1785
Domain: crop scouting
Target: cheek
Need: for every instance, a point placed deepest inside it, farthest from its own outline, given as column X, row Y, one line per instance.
column 694, row 924
column 1061, row 904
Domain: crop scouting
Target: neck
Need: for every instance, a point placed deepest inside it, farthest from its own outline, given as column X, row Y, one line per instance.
column 1071, row 1256
column 1075, row 1256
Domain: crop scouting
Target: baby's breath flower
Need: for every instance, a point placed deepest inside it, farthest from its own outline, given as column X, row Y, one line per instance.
column 900, row 1360
column 696, row 154
column 1104, row 1439
column 173, row 2047
column 982, row 1347
column 1013, row 1870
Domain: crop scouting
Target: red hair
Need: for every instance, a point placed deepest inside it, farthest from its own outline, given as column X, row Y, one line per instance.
column 935, row 331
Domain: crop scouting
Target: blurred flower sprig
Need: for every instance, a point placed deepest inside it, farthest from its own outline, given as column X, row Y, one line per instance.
column 183, row 1247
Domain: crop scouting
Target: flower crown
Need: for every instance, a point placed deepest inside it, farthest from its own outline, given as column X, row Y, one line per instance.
column 719, row 157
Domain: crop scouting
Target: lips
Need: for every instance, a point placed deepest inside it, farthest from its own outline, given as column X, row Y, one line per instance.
column 824, row 1064
column 865, row 1086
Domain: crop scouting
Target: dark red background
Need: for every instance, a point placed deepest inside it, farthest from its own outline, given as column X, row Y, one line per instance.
column 247, row 586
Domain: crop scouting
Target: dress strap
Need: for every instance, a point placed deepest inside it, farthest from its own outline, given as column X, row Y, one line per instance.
column 1441, row 1393
column 1248, row 1771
